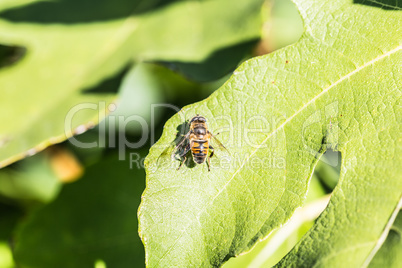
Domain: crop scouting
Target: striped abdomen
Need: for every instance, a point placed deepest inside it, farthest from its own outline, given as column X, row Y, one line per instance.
column 199, row 150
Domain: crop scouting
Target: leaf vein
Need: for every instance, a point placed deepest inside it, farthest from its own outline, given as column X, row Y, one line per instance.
column 343, row 78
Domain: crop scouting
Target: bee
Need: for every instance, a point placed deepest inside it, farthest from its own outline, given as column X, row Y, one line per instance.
column 198, row 140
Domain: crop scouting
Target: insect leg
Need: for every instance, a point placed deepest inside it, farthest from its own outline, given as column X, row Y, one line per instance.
column 212, row 151
column 176, row 148
column 183, row 155
column 184, row 160
column 209, row 157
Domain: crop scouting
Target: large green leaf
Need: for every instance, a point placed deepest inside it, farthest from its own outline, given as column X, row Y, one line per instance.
column 69, row 55
column 339, row 86
column 92, row 219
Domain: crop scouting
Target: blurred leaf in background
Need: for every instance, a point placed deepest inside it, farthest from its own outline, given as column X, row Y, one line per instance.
column 217, row 65
column 282, row 26
column 30, row 180
column 92, row 219
column 140, row 89
column 10, row 214
column 77, row 52
column 285, row 26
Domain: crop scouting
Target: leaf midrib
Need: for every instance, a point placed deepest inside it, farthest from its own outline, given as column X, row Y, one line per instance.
column 305, row 106
column 325, row 90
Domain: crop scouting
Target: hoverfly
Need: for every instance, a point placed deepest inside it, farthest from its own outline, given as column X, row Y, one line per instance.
column 197, row 139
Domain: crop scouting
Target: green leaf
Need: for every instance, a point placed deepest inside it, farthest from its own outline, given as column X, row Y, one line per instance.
column 268, row 252
column 339, row 86
column 140, row 89
column 6, row 257
column 9, row 218
column 220, row 63
column 31, row 179
column 286, row 26
column 329, row 169
column 389, row 254
column 81, row 59
column 92, row 220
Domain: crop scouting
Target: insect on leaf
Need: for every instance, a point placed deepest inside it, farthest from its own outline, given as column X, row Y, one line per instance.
column 338, row 87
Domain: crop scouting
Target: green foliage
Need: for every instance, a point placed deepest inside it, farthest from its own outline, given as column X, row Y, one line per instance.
column 338, row 87
column 92, row 219
column 9, row 218
column 56, row 55
column 270, row 251
column 390, row 253
column 216, row 65
column 80, row 206
column 79, row 57
column 32, row 179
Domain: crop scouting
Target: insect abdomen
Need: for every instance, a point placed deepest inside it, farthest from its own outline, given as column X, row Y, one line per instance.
column 199, row 151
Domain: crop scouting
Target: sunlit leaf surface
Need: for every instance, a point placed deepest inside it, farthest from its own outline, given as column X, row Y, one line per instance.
column 339, row 86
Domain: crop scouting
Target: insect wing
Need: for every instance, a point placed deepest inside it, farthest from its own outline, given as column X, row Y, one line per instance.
column 172, row 150
column 218, row 143
column 165, row 156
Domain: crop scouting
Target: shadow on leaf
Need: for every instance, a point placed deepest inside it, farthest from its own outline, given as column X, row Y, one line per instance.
column 383, row 4
column 217, row 65
column 108, row 86
column 10, row 55
column 171, row 155
column 80, row 11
